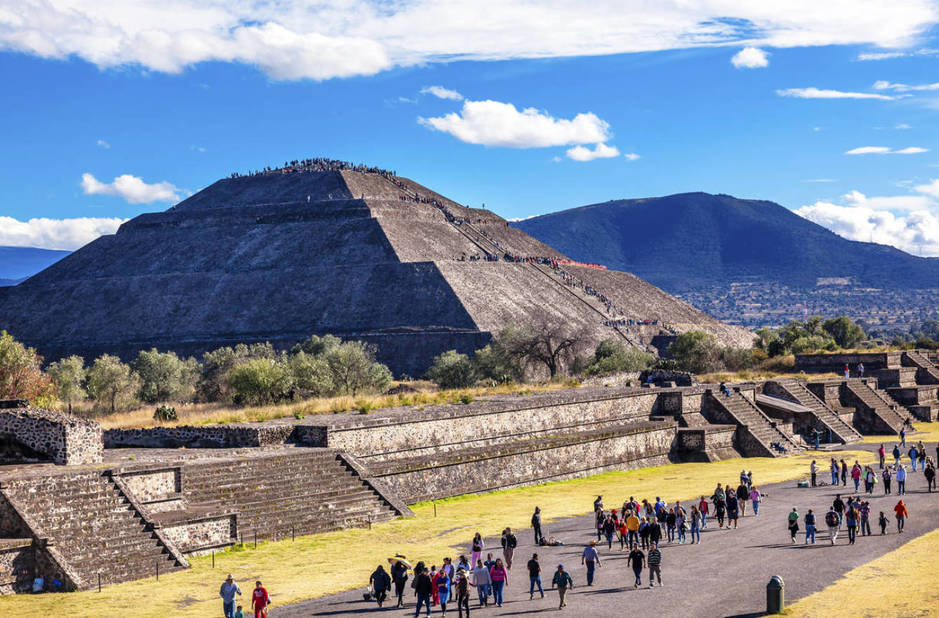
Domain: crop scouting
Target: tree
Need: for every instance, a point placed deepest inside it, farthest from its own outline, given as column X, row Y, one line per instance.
column 260, row 381
column 212, row 385
column 845, row 332
column 21, row 375
column 68, row 375
column 163, row 376
column 611, row 356
column 452, row 370
column 494, row 363
column 353, row 369
column 311, row 373
column 112, row 384
column 545, row 341
column 696, row 351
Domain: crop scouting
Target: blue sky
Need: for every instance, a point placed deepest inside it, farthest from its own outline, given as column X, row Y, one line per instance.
column 111, row 114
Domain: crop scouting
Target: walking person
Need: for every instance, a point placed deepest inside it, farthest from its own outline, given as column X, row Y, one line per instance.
column 483, row 583
column 509, row 543
column 536, row 525
column 562, row 581
column 756, row 497
column 443, row 590
column 838, row 506
column 881, row 454
column 901, row 514
column 227, row 591
column 809, row 527
column 913, row 453
column 813, row 471
column 835, row 469
column 671, row 520
column 743, row 492
column 423, row 588
column 851, row 520
column 901, row 479
column 477, row 547
column 902, row 437
column 844, row 473
column 929, row 473
column 856, row 475
column 681, row 525
column 833, row 521
column 896, row 454
column 260, row 599
column 654, row 561
column 461, row 588
column 632, row 528
column 865, row 512
column 703, row 510
column 591, row 559
column 609, row 529
column 380, row 582
column 695, row 524
column 500, row 579
column 399, row 575
column 720, row 505
column 793, row 524
column 534, row 574
column 882, row 521
column 732, row 508
column 637, row 560
column 886, row 476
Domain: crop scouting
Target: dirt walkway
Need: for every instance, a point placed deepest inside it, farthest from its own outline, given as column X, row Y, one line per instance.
column 724, row 575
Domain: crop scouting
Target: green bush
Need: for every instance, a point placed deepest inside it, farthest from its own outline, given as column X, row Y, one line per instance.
column 260, row 381
column 452, row 370
column 165, row 413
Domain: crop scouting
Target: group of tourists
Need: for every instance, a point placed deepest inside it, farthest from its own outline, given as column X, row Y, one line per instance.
column 888, row 473
column 319, row 164
column 853, row 514
column 260, row 599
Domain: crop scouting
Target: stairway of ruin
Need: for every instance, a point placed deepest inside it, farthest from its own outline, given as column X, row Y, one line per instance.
column 739, row 410
column 94, row 527
column 926, row 371
column 303, row 492
column 890, row 413
column 800, row 393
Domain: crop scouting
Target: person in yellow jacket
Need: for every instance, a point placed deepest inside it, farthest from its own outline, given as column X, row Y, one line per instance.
column 632, row 527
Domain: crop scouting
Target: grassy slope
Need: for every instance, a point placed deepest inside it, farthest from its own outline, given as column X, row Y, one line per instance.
column 320, row 564
column 925, row 432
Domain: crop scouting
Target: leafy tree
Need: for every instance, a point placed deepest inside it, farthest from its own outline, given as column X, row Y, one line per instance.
column 494, row 364
column 68, row 375
column 353, row 369
column 21, row 375
column 737, row 359
column 260, row 381
column 765, row 337
column 845, row 332
column 452, row 370
column 812, row 343
column 112, row 384
column 611, row 356
column 311, row 373
column 212, row 384
column 164, row 376
column 930, row 329
column 696, row 351
column 316, row 345
column 545, row 341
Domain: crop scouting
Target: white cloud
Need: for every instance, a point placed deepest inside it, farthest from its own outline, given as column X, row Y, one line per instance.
column 902, row 126
column 104, row 144
column 600, row 151
column 632, row 156
column 442, row 93
column 819, row 180
column 45, row 233
column 863, row 150
column 929, row 189
column 885, row 85
column 296, row 39
column 493, row 123
column 131, row 189
column 750, row 58
column 897, row 54
column 816, row 93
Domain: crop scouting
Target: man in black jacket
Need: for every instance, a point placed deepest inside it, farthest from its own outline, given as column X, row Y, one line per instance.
column 423, row 588
column 399, row 575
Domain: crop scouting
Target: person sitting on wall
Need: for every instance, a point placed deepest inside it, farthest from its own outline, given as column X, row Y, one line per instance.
column 39, row 584
column 724, row 390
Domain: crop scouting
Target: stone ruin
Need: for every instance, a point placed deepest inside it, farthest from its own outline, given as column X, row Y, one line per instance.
column 45, row 435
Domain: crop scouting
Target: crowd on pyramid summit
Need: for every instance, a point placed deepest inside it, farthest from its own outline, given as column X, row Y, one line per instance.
column 318, row 164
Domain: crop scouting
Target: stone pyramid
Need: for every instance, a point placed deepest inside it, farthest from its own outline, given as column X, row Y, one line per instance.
column 364, row 255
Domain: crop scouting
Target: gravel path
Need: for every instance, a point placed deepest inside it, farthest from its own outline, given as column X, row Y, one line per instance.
column 724, row 575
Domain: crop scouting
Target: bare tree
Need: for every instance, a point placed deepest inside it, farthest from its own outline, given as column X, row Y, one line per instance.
column 544, row 341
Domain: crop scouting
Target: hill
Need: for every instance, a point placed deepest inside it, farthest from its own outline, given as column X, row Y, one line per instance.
column 18, row 263
column 361, row 254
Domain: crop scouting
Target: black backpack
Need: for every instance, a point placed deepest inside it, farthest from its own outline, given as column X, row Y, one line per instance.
column 831, row 518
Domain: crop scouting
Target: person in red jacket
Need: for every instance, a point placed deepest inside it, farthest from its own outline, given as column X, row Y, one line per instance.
column 260, row 600
column 901, row 514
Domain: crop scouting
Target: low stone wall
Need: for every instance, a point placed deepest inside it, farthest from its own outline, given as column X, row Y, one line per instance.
column 713, row 443
column 64, row 439
column 152, row 485
column 235, row 435
column 17, row 565
column 834, row 363
column 529, row 463
column 199, row 536
column 901, row 376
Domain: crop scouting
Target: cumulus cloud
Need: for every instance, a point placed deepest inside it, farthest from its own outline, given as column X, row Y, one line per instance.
column 600, row 151
column 818, row 93
column 494, row 123
column 932, row 188
column 45, row 233
column 131, row 189
column 750, row 58
column 863, row 150
column 294, row 39
column 442, row 93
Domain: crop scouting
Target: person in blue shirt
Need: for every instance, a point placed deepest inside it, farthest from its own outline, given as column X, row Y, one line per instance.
column 591, row 559
column 228, row 591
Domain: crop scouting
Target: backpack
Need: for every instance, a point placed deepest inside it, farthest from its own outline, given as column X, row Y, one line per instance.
column 831, row 519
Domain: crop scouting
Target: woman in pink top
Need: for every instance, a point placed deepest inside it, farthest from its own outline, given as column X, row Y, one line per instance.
column 703, row 509
column 756, row 497
column 856, row 475
column 500, row 579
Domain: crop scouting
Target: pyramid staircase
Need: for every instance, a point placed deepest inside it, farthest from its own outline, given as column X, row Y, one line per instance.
column 926, row 371
column 797, row 391
column 763, row 431
column 876, row 403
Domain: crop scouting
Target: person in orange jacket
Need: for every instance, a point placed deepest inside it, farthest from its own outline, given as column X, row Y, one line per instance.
column 901, row 514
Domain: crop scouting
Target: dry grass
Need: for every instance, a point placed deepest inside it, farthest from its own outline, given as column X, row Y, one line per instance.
column 215, row 413
column 327, row 563
column 873, row 590
column 925, row 432
column 757, row 375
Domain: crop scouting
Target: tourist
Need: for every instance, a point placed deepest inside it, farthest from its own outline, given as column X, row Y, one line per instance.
column 562, row 581
column 844, row 473
column 856, row 475
column 681, row 525
column 732, row 508
column 534, row 574
column 833, row 521
column 477, row 547
column 654, row 561
column 536, row 525
column 509, row 543
column 851, row 520
column 703, row 510
column 423, row 588
column 865, row 511
column 260, row 599
column 886, row 475
column 632, row 528
column 870, row 479
column 638, row 560
column 598, row 504
column 847, row 372
column 598, row 519
column 743, row 492
column 756, row 497
column 695, row 524
column 442, row 586
column 609, row 529
column 902, row 437
column 228, row 591
column 239, row 612
column 671, row 519
column 809, row 527
column 461, row 591
column 591, row 559
column 882, row 520
column 645, row 529
column 720, row 506
column 930, row 474
column 483, row 583
column 380, row 582
column 901, row 514
column 835, row 469
column 622, row 532
column 882, row 455
column 793, row 524
column 913, row 454
column 813, row 472
column 901, row 479
column 896, row 454
column 655, row 531
column 838, row 506
column 724, row 390
column 500, row 579
column 462, row 564
column 399, row 575
column 489, row 562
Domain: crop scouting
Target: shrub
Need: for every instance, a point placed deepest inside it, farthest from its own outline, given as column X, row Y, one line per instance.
column 696, row 351
column 611, row 356
column 164, row 376
column 452, row 370
column 112, row 384
column 260, row 381
column 21, row 376
column 165, row 413
column 465, row 399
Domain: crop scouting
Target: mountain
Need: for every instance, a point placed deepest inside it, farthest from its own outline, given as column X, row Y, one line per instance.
column 315, row 249
column 18, row 263
column 686, row 241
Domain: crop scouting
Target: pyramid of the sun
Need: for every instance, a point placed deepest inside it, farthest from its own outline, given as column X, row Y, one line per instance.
column 279, row 256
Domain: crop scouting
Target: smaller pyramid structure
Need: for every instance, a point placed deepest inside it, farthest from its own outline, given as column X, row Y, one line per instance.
column 319, row 247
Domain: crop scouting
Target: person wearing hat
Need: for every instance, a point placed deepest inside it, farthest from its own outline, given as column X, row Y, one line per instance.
column 461, row 586
column 562, row 581
column 591, row 559
column 228, row 591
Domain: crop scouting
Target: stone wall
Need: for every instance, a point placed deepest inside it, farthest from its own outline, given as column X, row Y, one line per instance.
column 199, row 536
column 834, row 363
column 17, row 565
column 64, row 439
column 152, row 485
column 235, row 435
column 712, row 443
